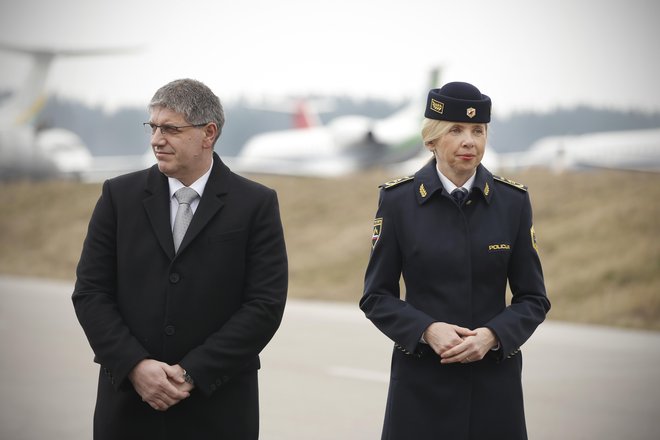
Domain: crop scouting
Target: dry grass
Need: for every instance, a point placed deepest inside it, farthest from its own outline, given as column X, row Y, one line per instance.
column 597, row 231
column 600, row 246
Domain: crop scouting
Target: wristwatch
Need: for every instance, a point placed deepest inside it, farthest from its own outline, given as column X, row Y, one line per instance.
column 188, row 378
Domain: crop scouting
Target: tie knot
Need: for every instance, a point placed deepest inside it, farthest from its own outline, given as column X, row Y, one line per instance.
column 185, row 195
column 459, row 195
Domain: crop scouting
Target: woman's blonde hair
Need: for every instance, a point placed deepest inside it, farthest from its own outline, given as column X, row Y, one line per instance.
column 433, row 129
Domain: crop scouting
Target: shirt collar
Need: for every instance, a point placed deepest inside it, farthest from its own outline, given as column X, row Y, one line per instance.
column 198, row 185
column 429, row 180
column 449, row 185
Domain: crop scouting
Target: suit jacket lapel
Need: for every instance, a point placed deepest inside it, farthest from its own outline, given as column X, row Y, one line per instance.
column 157, row 206
column 211, row 202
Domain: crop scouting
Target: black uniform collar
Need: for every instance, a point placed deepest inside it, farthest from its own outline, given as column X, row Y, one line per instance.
column 483, row 183
column 427, row 182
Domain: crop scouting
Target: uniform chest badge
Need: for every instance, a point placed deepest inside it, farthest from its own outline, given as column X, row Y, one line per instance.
column 422, row 190
column 378, row 229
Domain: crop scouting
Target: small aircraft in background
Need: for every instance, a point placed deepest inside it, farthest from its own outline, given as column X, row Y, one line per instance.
column 633, row 150
column 26, row 149
column 346, row 144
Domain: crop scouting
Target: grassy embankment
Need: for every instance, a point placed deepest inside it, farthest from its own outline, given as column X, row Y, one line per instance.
column 598, row 232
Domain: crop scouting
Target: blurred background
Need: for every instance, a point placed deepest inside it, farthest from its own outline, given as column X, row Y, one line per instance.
column 324, row 102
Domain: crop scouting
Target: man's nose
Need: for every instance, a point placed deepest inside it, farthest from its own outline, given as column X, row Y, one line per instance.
column 157, row 137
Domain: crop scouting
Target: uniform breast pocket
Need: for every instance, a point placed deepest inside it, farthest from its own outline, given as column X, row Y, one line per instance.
column 499, row 248
column 496, row 254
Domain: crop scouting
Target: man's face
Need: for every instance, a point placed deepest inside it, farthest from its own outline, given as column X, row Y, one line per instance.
column 461, row 149
column 184, row 153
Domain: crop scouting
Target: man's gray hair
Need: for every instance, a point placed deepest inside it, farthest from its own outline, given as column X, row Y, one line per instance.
column 191, row 98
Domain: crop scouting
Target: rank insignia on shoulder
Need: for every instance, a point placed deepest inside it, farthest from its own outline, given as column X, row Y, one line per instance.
column 395, row 182
column 534, row 243
column 378, row 229
column 422, row 190
column 520, row 186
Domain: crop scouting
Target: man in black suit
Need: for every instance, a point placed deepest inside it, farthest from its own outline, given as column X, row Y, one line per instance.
column 177, row 326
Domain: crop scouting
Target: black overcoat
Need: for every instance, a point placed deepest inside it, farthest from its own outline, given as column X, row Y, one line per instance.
column 455, row 263
column 211, row 308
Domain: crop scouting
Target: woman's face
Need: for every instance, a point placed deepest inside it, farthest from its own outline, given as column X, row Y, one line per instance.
column 460, row 150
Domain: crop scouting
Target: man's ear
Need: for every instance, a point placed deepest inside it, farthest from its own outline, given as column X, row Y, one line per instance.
column 210, row 134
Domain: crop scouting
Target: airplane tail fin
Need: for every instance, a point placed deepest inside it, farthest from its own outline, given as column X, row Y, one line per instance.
column 304, row 117
column 434, row 77
column 24, row 105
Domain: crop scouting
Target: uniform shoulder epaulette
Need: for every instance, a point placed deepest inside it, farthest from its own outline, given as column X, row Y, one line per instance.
column 395, row 182
column 520, row 186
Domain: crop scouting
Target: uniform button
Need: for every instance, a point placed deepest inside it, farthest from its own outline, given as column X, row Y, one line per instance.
column 218, row 382
column 174, row 278
column 170, row 330
column 213, row 387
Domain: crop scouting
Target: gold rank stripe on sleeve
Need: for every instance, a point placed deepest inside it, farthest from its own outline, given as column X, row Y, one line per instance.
column 395, row 182
column 520, row 186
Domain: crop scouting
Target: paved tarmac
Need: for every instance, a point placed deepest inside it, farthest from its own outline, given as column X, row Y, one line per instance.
column 324, row 375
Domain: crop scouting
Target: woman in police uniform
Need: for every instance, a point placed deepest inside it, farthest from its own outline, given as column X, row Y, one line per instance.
column 457, row 234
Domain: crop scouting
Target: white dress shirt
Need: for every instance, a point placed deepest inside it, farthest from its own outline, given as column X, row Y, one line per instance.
column 198, row 185
column 449, row 185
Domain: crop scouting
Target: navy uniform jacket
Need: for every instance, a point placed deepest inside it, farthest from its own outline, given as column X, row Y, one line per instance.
column 211, row 308
column 455, row 263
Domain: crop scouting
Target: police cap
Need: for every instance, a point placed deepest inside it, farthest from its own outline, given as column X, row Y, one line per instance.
column 458, row 102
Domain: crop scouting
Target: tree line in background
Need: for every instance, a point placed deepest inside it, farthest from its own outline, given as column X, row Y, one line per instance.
column 121, row 133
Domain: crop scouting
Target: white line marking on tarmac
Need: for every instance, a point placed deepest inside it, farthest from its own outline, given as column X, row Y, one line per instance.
column 359, row 373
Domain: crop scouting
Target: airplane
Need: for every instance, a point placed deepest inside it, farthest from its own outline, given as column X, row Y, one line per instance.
column 346, row 144
column 632, row 150
column 30, row 151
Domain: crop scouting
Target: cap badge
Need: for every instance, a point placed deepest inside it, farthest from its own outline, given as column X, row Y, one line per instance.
column 378, row 227
column 437, row 106
column 422, row 190
column 471, row 112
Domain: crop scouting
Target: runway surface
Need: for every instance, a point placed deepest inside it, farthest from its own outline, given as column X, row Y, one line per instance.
column 324, row 375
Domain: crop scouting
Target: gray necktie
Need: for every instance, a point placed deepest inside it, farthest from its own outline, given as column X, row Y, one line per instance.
column 184, row 214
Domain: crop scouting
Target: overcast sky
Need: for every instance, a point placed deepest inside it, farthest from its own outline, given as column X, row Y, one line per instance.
column 525, row 54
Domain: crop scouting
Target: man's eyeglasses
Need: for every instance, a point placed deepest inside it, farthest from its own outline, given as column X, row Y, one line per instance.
column 166, row 129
